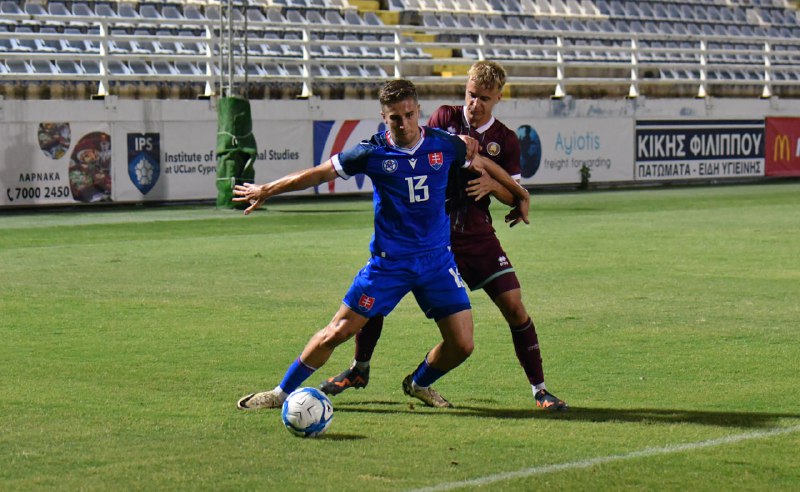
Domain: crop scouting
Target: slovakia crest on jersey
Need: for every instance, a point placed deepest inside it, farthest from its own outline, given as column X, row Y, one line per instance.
column 389, row 166
column 436, row 159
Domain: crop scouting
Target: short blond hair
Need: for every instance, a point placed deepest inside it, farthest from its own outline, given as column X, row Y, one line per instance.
column 488, row 74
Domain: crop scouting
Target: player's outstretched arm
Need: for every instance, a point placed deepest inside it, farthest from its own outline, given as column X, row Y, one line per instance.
column 300, row 180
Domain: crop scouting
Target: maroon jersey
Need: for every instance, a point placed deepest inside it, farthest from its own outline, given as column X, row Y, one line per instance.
column 498, row 143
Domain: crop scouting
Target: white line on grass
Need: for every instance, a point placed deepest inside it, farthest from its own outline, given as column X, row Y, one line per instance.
column 674, row 448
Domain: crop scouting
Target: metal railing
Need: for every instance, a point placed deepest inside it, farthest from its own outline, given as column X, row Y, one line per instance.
column 554, row 61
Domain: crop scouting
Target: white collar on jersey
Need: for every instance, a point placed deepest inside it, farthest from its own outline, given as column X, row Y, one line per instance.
column 480, row 129
column 408, row 151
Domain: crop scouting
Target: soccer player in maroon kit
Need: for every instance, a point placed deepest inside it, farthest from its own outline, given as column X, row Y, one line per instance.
column 481, row 260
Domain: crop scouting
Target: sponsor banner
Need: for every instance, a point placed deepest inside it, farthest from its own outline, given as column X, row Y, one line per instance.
column 553, row 151
column 782, row 153
column 55, row 163
column 177, row 160
column 700, row 149
column 332, row 137
column 283, row 147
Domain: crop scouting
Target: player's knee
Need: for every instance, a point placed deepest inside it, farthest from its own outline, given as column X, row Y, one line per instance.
column 515, row 314
column 334, row 335
column 464, row 348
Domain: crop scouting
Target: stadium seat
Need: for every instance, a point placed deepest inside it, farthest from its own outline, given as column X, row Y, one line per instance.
column 27, row 44
column 292, row 50
column 333, row 17
column 254, row 70
column 43, row 67
column 17, row 66
column 369, row 50
column 129, row 17
column 37, row 9
column 139, row 67
column 193, row 45
column 274, row 15
column 105, row 10
column 273, row 70
column 117, row 67
column 68, row 67
column 376, row 71
column 372, row 20
column 295, row 17
column 468, row 50
column 187, row 68
column 430, row 20
column 353, row 50
column 332, row 50
column 192, row 12
column 171, row 13
column 54, row 44
column 448, row 21
column 80, row 9
column 314, row 17
column 147, row 43
column 352, row 18
column 90, row 67
column 147, row 11
column 10, row 7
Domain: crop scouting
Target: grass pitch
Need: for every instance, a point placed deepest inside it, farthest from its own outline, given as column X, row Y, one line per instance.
column 668, row 319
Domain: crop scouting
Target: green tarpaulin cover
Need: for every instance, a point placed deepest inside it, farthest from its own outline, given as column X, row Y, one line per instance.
column 236, row 148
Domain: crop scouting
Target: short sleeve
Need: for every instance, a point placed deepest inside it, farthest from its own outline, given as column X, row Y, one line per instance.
column 352, row 161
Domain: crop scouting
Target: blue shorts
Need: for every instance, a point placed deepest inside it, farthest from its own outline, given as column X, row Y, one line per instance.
column 432, row 277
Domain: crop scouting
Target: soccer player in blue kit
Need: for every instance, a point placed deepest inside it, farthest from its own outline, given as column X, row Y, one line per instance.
column 480, row 257
column 410, row 248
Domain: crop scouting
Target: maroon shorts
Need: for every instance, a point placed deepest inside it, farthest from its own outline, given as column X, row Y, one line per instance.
column 483, row 264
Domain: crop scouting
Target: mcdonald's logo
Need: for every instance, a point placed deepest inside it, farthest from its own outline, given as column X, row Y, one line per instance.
column 782, row 149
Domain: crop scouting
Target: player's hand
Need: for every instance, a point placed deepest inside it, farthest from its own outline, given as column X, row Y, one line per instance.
column 473, row 146
column 481, row 186
column 249, row 193
column 519, row 213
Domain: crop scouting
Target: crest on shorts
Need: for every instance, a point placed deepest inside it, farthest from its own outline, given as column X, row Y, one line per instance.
column 366, row 302
column 493, row 149
column 390, row 165
column 436, row 159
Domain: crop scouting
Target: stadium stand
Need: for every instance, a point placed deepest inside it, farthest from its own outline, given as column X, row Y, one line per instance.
column 341, row 48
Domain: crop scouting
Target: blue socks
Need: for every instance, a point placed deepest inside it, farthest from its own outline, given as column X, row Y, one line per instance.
column 425, row 375
column 295, row 375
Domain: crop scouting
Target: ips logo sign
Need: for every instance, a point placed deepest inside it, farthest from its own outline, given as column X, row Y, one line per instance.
column 144, row 160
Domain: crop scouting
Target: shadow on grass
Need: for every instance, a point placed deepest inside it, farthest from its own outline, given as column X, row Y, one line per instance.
column 334, row 436
column 641, row 415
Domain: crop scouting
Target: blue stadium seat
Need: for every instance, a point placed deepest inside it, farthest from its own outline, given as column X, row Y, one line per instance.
column 17, row 66
column 172, row 13
column 352, row 18
column 164, row 68
column 188, row 68
column 43, row 67
column 68, row 67
column 192, row 12
column 26, row 44
column 139, row 67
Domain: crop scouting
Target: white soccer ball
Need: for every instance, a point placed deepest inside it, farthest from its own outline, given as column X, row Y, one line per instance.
column 307, row 412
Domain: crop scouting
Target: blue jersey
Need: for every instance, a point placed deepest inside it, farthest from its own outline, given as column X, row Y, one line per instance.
column 409, row 189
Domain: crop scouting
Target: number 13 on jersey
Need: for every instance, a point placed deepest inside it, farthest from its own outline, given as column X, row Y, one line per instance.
column 417, row 189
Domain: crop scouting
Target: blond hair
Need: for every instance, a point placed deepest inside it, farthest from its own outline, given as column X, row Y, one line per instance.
column 488, row 74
